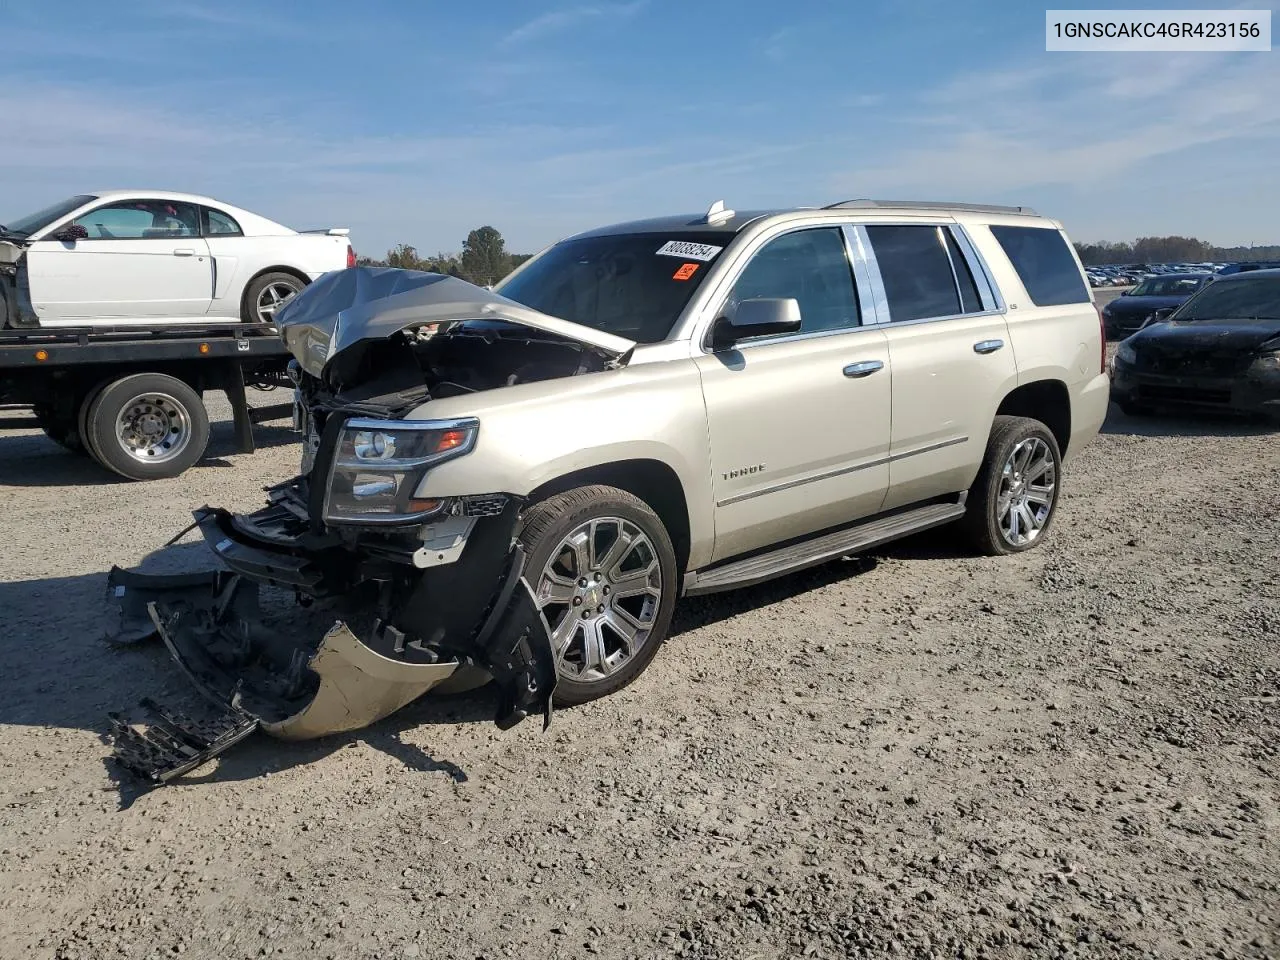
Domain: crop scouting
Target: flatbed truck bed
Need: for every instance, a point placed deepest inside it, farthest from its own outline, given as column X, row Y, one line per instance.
column 131, row 397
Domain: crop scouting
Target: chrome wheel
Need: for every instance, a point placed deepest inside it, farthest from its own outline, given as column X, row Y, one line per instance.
column 1028, row 483
column 600, row 593
column 272, row 298
column 153, row 428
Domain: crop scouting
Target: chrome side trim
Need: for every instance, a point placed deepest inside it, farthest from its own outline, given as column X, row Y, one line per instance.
column 955, row 276
column 870, row 296
column 879, row 297
column 865, row 465
column 992, row 302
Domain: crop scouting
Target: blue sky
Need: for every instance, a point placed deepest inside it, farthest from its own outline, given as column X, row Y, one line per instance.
column 416, row 121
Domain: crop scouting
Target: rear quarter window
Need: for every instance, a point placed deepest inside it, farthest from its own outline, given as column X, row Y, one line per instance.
column 1044, row 263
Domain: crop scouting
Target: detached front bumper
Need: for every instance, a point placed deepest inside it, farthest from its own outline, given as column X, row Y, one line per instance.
column 410, row 631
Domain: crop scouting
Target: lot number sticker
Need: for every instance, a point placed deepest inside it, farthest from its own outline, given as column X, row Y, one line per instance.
column 688, row 251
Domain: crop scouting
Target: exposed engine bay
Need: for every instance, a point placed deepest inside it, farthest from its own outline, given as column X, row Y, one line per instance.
column 424, row 591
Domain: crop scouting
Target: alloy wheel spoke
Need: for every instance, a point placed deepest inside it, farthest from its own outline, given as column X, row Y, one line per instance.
column 635, row 583
column 562, row 636
column 554, row 591
column 621, row 546
column 579, row 544
column 593, row 652
column 1028, row 519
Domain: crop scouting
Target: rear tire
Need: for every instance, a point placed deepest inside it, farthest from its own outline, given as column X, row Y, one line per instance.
column 603, row 571
column 148, row 426
column 61, row 430
column 266, row 294
column 1015, row 496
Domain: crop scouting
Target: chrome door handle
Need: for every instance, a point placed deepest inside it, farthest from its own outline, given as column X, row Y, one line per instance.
column 987, row 346
column 863, row 368
column 184, row 252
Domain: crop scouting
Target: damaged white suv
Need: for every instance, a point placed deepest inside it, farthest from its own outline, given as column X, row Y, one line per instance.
column 521, row 482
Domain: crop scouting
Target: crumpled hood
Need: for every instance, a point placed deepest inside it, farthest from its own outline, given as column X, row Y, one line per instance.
column 345, row 307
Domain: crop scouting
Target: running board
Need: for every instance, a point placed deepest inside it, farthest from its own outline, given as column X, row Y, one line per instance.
column 829, row 546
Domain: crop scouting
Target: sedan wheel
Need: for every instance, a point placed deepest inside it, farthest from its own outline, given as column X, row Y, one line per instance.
column 272, row 298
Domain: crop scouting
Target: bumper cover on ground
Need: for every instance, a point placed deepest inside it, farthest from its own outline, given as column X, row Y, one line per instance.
column 259, row 675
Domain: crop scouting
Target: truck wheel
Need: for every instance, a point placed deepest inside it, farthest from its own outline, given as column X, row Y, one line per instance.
column 61, row 430
column 1013, row 499
column 604, row 574
column 267, row 294
column 147, row 426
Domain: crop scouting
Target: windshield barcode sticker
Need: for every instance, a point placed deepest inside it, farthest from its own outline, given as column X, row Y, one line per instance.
column 688, row 251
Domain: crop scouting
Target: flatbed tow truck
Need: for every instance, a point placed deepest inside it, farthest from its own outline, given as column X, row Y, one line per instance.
column 131, row 398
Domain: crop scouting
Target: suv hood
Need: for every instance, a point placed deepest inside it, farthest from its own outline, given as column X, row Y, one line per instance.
column 346, row 307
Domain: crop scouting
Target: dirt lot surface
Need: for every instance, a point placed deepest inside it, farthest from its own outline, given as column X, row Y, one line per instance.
column 1069, row 753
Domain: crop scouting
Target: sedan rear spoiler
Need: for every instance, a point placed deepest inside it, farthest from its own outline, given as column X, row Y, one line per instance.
column 331, row 231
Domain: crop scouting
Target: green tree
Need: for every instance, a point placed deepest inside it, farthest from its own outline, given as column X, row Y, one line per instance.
column 405, row 257
column 485, row 259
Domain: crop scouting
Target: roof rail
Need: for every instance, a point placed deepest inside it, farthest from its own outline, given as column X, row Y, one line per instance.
column 928, row 205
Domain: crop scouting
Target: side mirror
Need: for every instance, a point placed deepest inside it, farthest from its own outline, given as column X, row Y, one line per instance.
column 72, row 232
column 1157, row 316
column 756, row 318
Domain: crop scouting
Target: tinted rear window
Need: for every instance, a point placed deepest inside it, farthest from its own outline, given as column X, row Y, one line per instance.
column 916, row 273
column 1044, row 264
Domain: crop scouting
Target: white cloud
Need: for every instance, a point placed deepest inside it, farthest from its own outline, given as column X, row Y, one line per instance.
column 558, row 21
column 1098, row 126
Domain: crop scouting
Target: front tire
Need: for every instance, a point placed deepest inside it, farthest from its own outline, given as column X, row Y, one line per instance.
column 1015, row 495
column 603, row 572
column 267, row 294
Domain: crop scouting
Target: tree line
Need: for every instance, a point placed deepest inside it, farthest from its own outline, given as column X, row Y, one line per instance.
column 484, row 259
column 1169, row 250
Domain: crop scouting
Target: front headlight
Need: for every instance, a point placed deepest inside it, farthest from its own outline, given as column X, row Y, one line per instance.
column 1125, row 354
column 1268, row 361
column 378, row 464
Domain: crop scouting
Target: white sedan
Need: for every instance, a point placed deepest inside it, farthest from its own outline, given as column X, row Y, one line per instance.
column 149, row 257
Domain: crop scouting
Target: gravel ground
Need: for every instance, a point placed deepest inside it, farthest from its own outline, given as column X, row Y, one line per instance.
column 1069, row 753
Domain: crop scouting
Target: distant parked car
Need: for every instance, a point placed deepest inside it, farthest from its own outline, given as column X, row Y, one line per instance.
column 1126, row 314
column 149, row 257
column 1220, row 350
column 1249, row 265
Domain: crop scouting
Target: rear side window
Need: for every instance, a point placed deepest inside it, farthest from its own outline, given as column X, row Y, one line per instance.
column 1044, row 263
column 219, row 224
column 916, row 272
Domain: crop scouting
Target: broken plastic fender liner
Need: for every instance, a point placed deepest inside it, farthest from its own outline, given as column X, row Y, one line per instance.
column 357, row 687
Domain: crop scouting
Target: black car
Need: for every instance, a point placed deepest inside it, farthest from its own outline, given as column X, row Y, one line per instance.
column 1247, row 266
column 1126, row 313
column 1220, row 350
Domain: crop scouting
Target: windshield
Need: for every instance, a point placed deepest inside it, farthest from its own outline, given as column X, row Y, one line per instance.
column 634, row 285
column 1168, row 287
column 1234, row 300
column 26, row 226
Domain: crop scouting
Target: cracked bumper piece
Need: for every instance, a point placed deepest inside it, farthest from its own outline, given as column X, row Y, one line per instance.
column 271, row 672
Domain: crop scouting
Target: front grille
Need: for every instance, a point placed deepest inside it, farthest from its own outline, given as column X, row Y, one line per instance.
column 1167, row 394
column 1192, row 364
